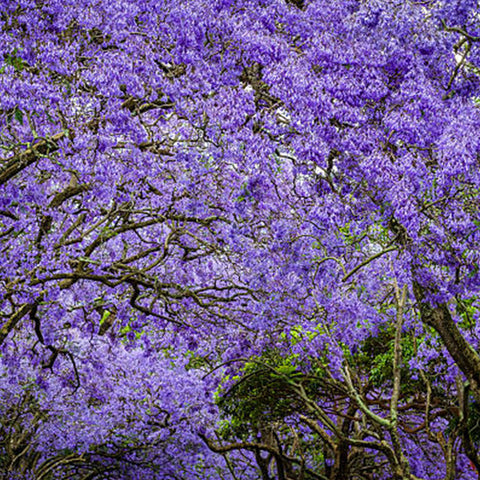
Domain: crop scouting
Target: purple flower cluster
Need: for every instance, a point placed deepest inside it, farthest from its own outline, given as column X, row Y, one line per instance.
column 240, row 239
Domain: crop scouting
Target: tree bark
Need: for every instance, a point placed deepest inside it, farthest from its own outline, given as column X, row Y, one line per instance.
column 440, row 319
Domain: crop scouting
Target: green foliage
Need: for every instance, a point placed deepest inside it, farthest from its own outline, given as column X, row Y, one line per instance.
column 466, row 309
column 376, row 357
column 14, row 61
column 472, row 424
column 18, row 115
column 195, row 361
column 262, row 393
column 105, row 316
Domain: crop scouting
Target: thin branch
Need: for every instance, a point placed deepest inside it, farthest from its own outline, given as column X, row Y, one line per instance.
column 366, row 262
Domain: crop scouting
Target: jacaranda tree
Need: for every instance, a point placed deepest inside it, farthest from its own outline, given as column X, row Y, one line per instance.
column 240, row 239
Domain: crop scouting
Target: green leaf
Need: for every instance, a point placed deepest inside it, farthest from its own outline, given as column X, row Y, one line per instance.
column 18, row 114
column 105, row 316
column 14, row 61
column 286, row 369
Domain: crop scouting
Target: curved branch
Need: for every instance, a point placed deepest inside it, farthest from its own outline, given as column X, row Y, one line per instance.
column 19, row 162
